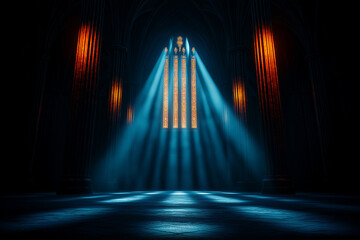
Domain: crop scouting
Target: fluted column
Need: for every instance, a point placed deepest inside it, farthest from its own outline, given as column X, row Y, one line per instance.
column 277, row 180
column 78, row 151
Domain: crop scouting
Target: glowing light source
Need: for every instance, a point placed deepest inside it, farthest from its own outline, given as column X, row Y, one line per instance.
column 267, row 76
column 183, row 89
column 115, row 98
column 87, row 57
column 180, row 53
column 166, row 92
column 239, row 97
column 269, row 93
column 179, row 42
column 176, row 91
column 193, row 90
column 130, row 115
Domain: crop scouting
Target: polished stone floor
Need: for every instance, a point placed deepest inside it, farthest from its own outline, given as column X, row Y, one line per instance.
column 179, row 215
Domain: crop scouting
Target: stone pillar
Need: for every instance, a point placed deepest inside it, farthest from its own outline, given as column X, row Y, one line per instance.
column 115, row 110
column 277, row 181
column 78, row 152
column 239, row 56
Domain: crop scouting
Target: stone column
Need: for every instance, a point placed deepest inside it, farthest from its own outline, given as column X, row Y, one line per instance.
column 78, row 152
column 239, row 57
column 277, row 180
column 115, row 109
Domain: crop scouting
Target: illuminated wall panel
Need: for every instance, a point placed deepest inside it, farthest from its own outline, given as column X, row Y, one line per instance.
column 82, row 51
column 267, row 76
column 176, row 91
column 183, row 89
column 166, row 92
column 193, row 90
column 115, row 98
column 239, row 97
column 86, row 60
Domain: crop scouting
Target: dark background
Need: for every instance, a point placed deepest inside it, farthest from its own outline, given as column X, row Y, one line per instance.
column 27, row 30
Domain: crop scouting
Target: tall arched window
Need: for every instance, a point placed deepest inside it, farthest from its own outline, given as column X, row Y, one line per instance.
column 179, row 71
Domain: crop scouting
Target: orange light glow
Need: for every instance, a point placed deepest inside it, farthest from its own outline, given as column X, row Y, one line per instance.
column 130, row 115
column 115, row 98
column 183, row 90
column 166, row 93
column 176, row 77
column 176, row 91
column 239, row 97
column 87, row 54
column 193, row 91
column 267, row 76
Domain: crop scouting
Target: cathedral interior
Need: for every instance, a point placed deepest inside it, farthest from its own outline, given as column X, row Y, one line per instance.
column 181, row 119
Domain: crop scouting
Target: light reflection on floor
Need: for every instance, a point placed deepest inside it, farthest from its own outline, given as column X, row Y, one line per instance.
column 54, row 218
column 121, row 193
column 153, row 193
column 81, row 198
column 179, row 193
column 125, row 199
column 257, row 196
column 183, row 214
column 180, row 212
column 201, row 193
column 180, row 229
column 231, row 193
column 293, row 220
column 221, row 199
column 179, row 198
column 315, row 204
column 275, row 198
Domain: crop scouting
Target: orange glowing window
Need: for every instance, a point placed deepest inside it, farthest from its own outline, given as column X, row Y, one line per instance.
column 176, row 91
column 179, row 56
column 166, row 92
column 193, row 90
column 183, row 89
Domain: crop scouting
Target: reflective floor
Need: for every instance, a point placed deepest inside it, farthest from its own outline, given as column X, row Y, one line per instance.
column 179, row 215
